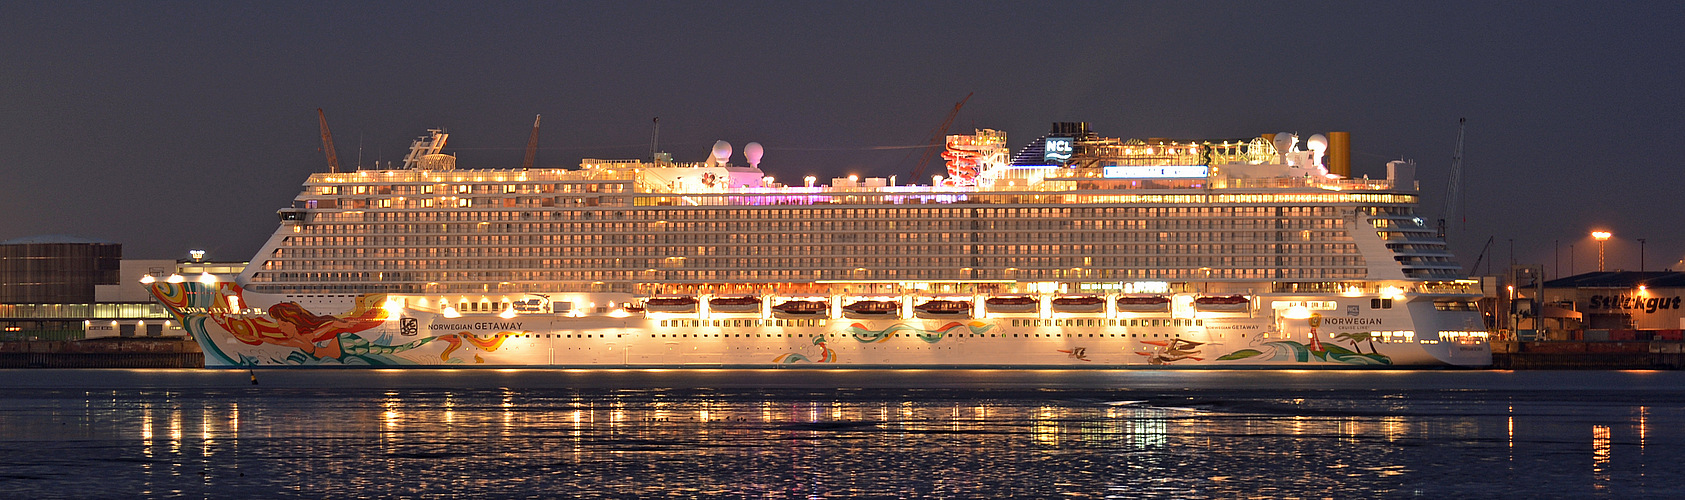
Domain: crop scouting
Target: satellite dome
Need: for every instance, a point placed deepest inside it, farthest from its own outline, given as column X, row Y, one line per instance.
column 752, row 152
column 1284, row 142
column 1317, row 143
column 722, row 151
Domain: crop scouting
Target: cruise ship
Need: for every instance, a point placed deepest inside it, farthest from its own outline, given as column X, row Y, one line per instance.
column 1074, row 251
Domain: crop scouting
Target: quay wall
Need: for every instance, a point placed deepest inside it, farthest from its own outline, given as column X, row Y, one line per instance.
column 1589, row 355
column 103, row 353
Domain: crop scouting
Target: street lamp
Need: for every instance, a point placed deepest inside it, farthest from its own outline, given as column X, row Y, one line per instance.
column 1600, row 236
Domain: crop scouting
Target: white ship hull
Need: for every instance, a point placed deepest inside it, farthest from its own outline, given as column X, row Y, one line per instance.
column 374, row 330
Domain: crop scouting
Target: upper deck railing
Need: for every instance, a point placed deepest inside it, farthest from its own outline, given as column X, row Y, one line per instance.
column 1067, row 183
column 464, row 175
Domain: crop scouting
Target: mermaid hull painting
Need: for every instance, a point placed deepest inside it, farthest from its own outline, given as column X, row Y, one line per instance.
column 237, row 328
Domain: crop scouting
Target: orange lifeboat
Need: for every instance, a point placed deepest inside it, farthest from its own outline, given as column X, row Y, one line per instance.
column 746, row 304
column 802, row 309
column 1150, row 303
column 670, row 304
column 1230, row 303
column 872, row 309
column 1016, row 304
column 1079, row 304
column 944, row 309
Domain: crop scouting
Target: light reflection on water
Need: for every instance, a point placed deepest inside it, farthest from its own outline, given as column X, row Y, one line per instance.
column 754, row 433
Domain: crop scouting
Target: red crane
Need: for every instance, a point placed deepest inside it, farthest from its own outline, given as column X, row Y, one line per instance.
column 532, row 144
column 327, row 143
column 939, row 140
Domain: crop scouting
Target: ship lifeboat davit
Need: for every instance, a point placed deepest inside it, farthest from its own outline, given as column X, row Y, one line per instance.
column 670, row 304
column 801, row 309
column 870, row 309
column 1229, row 303
column 1079, row 304
column 1018, row 304
column 747, row 304
column 1147, row 304
column 943, row 309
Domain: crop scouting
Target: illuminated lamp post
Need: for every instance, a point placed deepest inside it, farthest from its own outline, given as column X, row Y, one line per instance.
column 1600, row 236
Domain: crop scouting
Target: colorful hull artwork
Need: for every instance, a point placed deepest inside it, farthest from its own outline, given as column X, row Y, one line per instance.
column 236, row 328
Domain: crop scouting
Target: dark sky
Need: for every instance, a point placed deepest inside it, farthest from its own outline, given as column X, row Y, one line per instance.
column 169, row 126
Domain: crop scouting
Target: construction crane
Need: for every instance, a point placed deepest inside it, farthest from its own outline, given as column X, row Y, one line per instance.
column 327, row 143
column 939, row 140
column 532, row 144
column 1476, row 267
column 1453, row 188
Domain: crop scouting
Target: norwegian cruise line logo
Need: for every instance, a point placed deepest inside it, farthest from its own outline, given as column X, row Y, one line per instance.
column 1057, row 149
column 409, row 327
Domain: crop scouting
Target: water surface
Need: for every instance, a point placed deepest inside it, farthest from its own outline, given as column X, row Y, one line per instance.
column 844, row 433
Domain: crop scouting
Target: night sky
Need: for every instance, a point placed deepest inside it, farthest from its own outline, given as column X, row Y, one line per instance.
column 170, row 126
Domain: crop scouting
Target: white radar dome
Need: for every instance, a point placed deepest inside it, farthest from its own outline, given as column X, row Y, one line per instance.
column 1317, row 143
column 753, row 152
column 722, row 151
column 1284, row 142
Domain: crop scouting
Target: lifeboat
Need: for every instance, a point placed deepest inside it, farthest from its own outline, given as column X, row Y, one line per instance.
column 670, row 304
column 1230, row 303
column 802, row 309
column 1079, row 304
column 634, row 308
column 747, row 304
column 1019, row 304
column 1151, row 303
column 944, row 309
column 869, row 309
